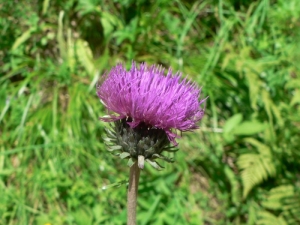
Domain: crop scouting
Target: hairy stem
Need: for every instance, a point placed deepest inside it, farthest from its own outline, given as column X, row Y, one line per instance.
column 132, row 193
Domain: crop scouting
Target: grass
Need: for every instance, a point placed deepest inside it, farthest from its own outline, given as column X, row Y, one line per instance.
column 241, row 167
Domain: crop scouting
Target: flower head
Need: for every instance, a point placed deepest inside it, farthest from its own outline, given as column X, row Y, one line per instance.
column 147, row 96
column 148, row 107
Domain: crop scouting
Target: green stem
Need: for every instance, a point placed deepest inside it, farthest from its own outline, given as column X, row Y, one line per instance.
column 132, row 194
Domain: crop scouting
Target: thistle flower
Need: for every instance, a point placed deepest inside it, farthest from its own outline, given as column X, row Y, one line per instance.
column 148, row 107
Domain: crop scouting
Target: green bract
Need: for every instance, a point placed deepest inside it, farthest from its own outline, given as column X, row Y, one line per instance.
column 139, row 143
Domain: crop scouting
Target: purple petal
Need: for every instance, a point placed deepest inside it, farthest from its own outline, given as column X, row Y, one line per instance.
column 146, row 95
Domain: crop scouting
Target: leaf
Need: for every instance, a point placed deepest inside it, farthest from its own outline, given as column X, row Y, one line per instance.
column 5, row 109
column 24, row 37
column 87, row 6
column 85, row 56
column 109, row 22
column 291, row 209
column 256, row 167
column 276, row 196
column 71, row 52
column 232, row 122
column 60, row 37
column 296, row 98
column 293, row 83
column 267, row 218
column 151, row 210
column 272, row 109
column 45, row 6
column 286, row 200
column 83, row 216
column 234, row 184
column 254, row 87
column 262, row 148
column 249, row 128
column 277, row 114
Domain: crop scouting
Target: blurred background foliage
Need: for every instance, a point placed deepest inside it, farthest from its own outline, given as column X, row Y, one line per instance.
column 241, row 167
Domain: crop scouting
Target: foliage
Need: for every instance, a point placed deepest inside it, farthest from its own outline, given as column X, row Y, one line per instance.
column 241, row 167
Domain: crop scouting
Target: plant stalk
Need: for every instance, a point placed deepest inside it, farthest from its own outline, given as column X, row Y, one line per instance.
column 132, row 193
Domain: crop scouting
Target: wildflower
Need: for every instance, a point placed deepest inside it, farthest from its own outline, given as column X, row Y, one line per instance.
column 147, row 108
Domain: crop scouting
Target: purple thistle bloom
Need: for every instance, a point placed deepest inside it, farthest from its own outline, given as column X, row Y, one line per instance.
column 145, row 95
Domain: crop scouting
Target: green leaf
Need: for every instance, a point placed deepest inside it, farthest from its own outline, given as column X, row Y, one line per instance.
column 109, row 22
column 256, row 167
column 60, row 37
column 232, row 122
column 85, row 56
column 262, row 148
column 249, row 128
column 277, row 195
column 45, row 6
column 24, row 37
column 151, row 211
column 296, row 98
column 234, row 185
column 293, row 83
column 267, row 218
column 254, row 86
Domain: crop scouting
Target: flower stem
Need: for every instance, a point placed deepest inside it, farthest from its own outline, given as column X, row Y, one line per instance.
column 132, row 193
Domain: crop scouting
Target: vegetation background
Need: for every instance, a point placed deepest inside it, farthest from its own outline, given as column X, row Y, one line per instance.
column 241, row 167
